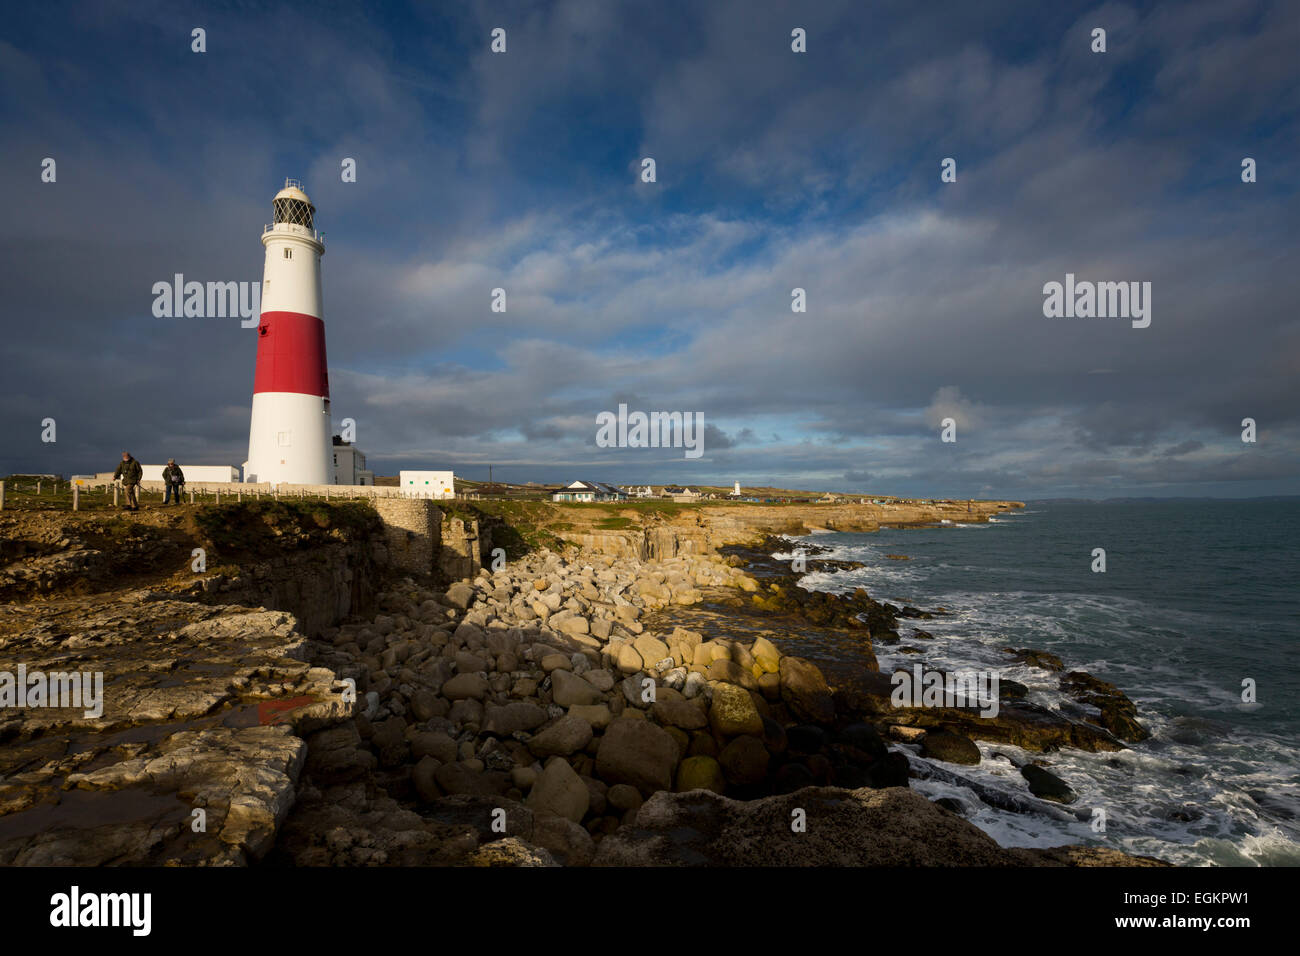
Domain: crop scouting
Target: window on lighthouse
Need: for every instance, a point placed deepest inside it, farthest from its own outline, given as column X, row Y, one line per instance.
column 288, row 253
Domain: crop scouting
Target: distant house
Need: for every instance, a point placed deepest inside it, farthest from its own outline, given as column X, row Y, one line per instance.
column 350, row 464
column 588, row 491
column 678, row 493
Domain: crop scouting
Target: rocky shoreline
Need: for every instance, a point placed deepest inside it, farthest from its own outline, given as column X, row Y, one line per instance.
column 549, row 712
column 551, row 696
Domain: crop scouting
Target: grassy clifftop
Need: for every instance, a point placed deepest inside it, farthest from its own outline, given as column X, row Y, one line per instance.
column 261, row 527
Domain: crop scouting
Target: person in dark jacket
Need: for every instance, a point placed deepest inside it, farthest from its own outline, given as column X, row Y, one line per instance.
column 130, row 472
column 173, row 478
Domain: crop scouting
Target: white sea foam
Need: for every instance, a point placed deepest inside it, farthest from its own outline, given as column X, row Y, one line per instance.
column 1204, row 790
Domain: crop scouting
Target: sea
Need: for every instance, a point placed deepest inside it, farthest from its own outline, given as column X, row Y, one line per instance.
column 1197, row 605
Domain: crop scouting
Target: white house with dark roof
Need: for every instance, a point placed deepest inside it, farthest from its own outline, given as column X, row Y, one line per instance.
column 588, row 491
column 678, row 493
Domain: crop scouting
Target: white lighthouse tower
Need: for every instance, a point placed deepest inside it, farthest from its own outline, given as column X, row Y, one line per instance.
column 289, row 438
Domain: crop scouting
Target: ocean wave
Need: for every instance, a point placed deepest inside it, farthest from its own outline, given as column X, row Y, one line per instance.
column 1214, row 785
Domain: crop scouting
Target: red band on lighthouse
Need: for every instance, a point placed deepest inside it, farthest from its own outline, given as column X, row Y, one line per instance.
column 291, row 354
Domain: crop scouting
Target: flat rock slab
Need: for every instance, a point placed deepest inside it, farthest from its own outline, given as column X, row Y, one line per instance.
column 202, row 710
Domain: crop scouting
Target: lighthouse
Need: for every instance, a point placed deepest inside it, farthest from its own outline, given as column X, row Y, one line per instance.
column 289, row 437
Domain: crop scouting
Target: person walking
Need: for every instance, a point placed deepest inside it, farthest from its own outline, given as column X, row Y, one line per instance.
column 130, row 472
column 174, row 478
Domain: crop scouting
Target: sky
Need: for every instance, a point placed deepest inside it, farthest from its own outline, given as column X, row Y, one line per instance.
column 774, row 170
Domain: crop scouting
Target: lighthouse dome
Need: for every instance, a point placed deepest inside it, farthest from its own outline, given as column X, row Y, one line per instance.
column 292, row 206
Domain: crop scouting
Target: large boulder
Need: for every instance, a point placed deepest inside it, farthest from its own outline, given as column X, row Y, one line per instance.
column 434, row 743
column 1041, row 659
column 709, row 651
column 598, row 715
column 467, row 663
column 952, row 748
column 622, row 797
column 639, row 753
column 424, row 704
column 1047, row 785
column 567, row 735
column 571, row 625
column 423, row 778
column 559, row 790
column 651, row 649
column 893, row 827
column 805, row 692
column 567, row 842
column 774, row 738
column 676, row 711
column 1118, row 714
column 465, row 686
column 460, row 595
column 508, row 719
column 459, row 778
column 744, row 761
column 732, row 673
column 627, row 659
column 510, row 852
column 388, row 740
column 865, row 739
column 733, row 712
column 766, row 655
column 687, row 640
column 568, row 689
column 701, row 773
column 791, row 777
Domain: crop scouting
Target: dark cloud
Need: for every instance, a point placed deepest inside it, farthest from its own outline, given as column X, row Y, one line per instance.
column 1183, row 448
column 776, row 171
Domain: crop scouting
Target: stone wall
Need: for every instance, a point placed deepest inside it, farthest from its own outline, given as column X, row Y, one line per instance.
column 413, row 533
column 320, row 587
column 461, row 554
column 421, row 540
